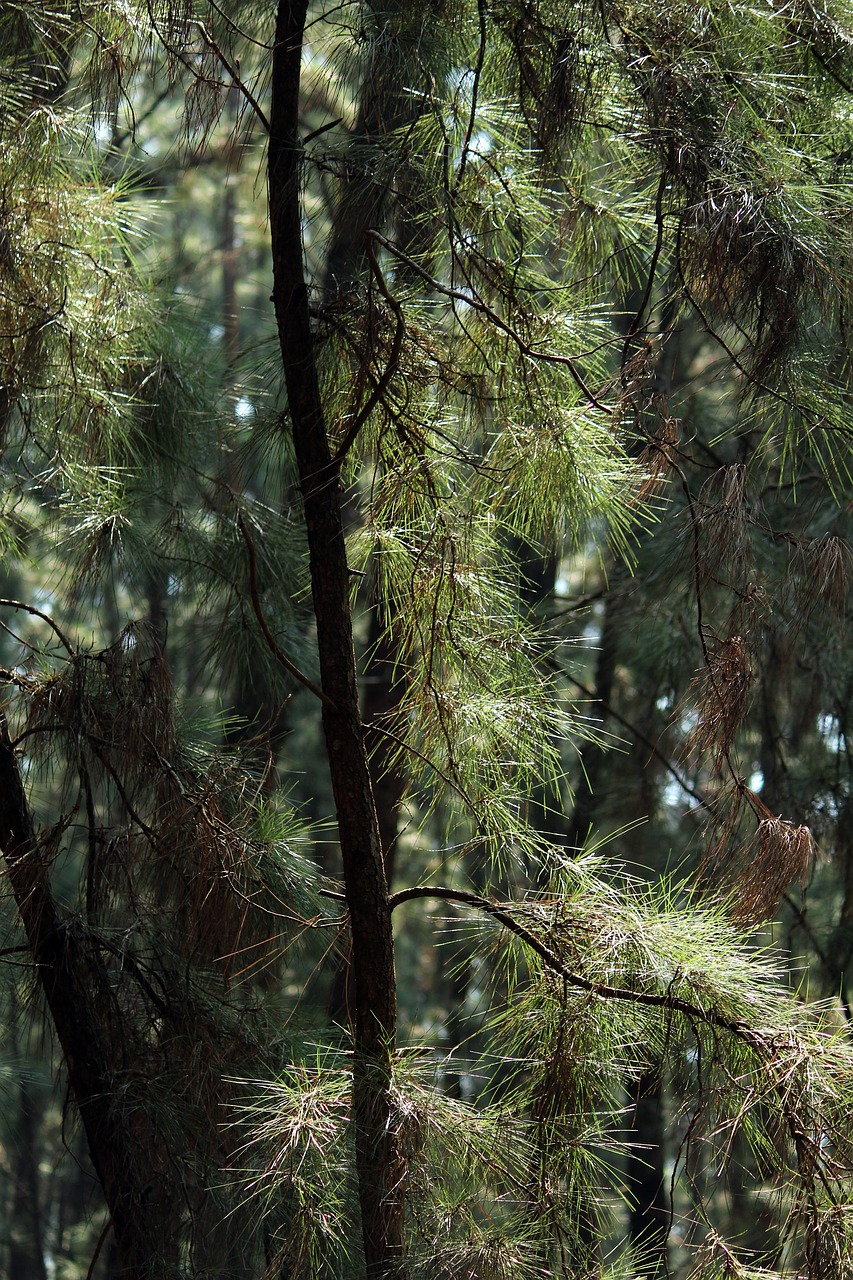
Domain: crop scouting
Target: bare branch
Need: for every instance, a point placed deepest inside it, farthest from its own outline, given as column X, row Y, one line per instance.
column 477, row 304
column 280, row 657
column 234, row 73
column 390, row 369
column 37, row 613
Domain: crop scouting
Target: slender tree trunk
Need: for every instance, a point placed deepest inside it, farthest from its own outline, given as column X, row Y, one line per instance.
column 649, row 1223
column 381, row 701
column 386, row 104
column 77, row 991
column 26, row 1240
column 592, row 761
column 380, row 1189
column 230, row 312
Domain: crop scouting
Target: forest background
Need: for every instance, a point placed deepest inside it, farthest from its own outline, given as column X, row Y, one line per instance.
column 425, row 791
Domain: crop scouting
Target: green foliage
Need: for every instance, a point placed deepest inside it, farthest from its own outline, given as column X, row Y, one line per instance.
column 580, row 286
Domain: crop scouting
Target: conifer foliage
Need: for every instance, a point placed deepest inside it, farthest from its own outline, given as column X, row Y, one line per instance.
column 551, row 284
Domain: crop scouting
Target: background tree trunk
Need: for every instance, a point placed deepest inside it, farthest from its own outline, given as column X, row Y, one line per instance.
column 78, row 995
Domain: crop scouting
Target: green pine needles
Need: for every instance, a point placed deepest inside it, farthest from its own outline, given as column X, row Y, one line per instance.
column 353, row 640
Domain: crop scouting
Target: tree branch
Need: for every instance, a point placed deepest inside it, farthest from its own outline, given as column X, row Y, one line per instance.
column 477, row 304
column 379, row 387
column 502, row 913
column 234, row 73
column 280, row 657
column 647, row 742
column 37, row 613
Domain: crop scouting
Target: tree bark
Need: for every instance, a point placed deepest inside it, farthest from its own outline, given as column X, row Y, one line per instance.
column 381, row 701
column 380, row 1189
column 650, row 1212
column 26, row 1239
column 76, row 990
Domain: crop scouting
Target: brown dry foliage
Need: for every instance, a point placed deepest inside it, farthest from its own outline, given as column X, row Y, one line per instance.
column 117, row 701
column 657, row 456
column 722, row 523
column 822, row 573
column 181, row 854
column 752, row 876
column 723, row 689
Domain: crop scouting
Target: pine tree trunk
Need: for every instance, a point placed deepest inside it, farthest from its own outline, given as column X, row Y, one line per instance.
column 26, row 1242
column 78, row 994
column 650, row 1215
column 380, row 1190
column 381, row 701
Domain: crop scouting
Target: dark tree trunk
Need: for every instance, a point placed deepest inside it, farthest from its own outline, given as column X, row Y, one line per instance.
column 380, row 1190
column 363, row 205
column 78, row 996
column 649, row 1225
column 381, row 701
column 596, row 794
column 26, row 1244
column 230, row 311
column 592, row 758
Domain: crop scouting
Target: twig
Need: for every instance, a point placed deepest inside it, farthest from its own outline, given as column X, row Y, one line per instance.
column 235, row 76
column 100, row 752
column 720, row 340
column 130, row 962
column 637, row 322
column 261, row 44
column 647, row 742
column 37, row 613
column 324, row 128
column 380, row 386
column 472, row 114
column 372, row 727
column 700, row 625
column 122, row 138
column 98, row 1247
column 831, row 970
column 477, row 304
column 274, row 649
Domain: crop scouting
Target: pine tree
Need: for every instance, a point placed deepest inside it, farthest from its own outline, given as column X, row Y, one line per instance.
column 492, row 229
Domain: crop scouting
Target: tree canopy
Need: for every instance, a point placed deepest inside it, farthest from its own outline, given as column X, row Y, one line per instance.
column 424, row 772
